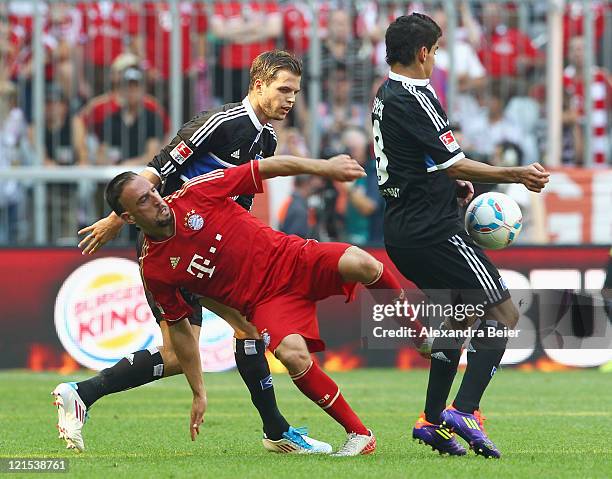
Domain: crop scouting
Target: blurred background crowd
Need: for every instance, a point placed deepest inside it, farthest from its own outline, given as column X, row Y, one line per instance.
column 106, row 84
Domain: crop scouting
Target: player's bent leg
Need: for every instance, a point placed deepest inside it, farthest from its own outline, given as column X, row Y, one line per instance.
column 357, row 265
column 73, row 400
column 249, row 353
column 293, row 352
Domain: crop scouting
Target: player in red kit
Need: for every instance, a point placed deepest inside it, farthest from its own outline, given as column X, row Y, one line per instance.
column 200, row 240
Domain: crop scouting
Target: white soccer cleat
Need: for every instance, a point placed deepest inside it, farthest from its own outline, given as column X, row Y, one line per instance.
column 357, row 444
column 71, row 415
column 296, row 441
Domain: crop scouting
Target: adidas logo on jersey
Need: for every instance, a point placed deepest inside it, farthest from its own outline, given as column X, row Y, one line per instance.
column 174, row 260
column 236, row 154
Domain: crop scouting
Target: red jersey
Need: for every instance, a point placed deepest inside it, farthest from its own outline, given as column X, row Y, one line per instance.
column 219, row 250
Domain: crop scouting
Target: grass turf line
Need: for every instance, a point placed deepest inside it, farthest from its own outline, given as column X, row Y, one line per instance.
column 545, row 424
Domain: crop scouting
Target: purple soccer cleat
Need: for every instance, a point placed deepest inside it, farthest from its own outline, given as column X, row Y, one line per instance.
column 470, row 428
column 438, row 437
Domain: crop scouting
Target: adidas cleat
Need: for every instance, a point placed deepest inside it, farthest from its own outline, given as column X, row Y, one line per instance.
column 438, row 437
column 357, row 444
column 296, row 441
column 71, row 415
column 470, row 428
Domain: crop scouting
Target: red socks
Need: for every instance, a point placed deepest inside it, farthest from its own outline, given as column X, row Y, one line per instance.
column 386, row 290
column 323, row 391
column 386, row 287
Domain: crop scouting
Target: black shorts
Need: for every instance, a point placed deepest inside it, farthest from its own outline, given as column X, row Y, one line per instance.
column 191, row 299
column 457, row 265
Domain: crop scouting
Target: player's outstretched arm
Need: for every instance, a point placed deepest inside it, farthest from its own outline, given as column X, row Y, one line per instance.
column 533, row 176
column 188, row 354
column 340, row 167
column 106, row 229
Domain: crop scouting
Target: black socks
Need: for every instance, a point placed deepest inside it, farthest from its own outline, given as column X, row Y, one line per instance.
column 445, row 354
column 253, row 367
column 134, row 370
column 484, row 357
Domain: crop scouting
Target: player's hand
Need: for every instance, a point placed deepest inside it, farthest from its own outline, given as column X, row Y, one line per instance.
column 344, row 168
column 534, row 177
column 198, row 407
column 465, row 192
column 100, row 233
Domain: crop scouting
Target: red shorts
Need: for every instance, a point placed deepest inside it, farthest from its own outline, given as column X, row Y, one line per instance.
column 315, row 277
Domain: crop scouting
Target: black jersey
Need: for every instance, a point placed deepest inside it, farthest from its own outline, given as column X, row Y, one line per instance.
column 413, row 145
column 221, row 138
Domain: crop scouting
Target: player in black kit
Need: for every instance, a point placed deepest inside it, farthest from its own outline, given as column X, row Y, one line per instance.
column 228, row 136
column 421, row 173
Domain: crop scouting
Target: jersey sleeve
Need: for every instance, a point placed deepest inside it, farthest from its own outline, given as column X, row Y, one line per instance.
column 203, row 134
column 432, row 129
column 220, row 184
column 169, row 300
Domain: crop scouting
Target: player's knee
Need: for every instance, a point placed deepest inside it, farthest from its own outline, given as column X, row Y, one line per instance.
column 295, row 359
column 358, row 265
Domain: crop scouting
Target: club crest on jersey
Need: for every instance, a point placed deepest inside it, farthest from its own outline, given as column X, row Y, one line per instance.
column 181, row 152
column 193, row 221
column 449, row 141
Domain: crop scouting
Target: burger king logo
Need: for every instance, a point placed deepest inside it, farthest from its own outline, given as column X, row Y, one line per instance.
column 101, row 313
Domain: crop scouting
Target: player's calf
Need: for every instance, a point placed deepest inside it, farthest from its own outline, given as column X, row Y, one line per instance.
column 322, row 390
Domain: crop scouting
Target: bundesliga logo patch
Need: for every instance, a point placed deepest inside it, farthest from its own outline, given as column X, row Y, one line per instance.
column 194, row 221
column 449, row 141
column 181, row 152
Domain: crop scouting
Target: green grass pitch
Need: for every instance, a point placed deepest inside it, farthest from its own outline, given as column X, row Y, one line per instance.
column 546, row 425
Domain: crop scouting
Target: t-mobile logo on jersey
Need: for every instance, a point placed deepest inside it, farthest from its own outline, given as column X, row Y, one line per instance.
column 203, row 268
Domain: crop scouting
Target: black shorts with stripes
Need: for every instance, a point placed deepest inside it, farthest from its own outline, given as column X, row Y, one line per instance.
column 457, row 264
column 191, row 299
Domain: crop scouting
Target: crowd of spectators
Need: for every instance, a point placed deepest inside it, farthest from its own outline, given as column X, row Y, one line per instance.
column 107, row 89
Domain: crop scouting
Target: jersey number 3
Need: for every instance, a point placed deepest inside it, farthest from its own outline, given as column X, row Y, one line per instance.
column 381, row 159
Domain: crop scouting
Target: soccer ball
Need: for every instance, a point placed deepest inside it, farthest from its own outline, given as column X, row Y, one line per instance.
column 493, row 220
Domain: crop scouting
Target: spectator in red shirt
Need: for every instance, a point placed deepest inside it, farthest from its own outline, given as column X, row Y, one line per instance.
column 297, row 24
column 11, row 41
column 246, row 30
column 100, row 107
column 601, row 96
column 505, row 51
column 110, row 29
column 155, row 47
column 132, row 134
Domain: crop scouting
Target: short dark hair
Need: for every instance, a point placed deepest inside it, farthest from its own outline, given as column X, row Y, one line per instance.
column 407, row 35
column 266, row 66
column 115, row 188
